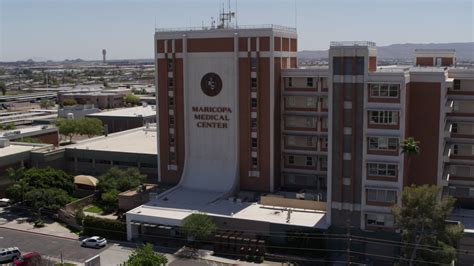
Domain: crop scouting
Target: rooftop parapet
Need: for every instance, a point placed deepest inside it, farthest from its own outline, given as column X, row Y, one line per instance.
column 352, row 43
column 240, row 27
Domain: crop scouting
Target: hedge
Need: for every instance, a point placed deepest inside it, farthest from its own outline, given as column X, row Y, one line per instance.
column 112, row 229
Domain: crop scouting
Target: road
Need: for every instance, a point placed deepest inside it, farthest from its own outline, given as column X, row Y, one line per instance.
column 46, row 245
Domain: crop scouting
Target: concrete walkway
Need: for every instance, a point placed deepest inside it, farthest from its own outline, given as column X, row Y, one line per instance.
column 16, row 222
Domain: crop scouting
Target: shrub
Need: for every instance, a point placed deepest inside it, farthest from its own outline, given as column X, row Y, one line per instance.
column 80, row 216
column 108, row 228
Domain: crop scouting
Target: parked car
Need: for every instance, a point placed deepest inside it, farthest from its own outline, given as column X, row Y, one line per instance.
column 4, row 202
column 28, row 259
column 9, row 254
column 94, row 242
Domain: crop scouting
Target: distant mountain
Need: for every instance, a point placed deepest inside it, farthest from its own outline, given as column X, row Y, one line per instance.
column 404, row 51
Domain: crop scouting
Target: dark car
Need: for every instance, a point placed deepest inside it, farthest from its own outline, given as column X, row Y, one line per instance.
column 28, row 259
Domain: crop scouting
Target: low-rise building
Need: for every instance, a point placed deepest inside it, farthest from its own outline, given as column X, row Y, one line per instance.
column 126, row 118
column 41, row 134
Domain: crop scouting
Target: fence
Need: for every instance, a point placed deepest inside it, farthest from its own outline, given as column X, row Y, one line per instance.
column 68, row 214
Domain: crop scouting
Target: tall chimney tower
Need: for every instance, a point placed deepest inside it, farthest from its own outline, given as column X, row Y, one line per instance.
column 104, row 53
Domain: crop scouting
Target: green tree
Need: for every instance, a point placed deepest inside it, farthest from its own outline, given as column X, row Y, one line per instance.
column 17, row 191
column 146, row 256
column 67, row 127
column 69, row 102
column 3, row 87
column 120, row 180
column 89, row 127
column 422, row 221
column 49, row 178
column 198, row 226
column 131, row 99
column 8, row 126
column 15, row 174
column 46, row 198
column 45, row 103
column 110, row 200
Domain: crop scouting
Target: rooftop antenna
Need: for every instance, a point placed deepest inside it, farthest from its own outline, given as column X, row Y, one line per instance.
column 225, row 18
column 236, row 25
column 296, row 16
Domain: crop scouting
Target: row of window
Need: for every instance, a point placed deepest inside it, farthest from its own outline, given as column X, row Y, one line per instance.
column 462, row 128
column 253, row 118
column 382, row 169
column 384, row 90
column 380, row 220
column 305, row 141
column 306, row 102
column 463, row 149
column 295, row 121
column 383, row 143
column 109, row 162
column 171, row 117
column 306, row 180
column 308, row 82
column 382, row 195
column 307, row 161
column 383, row 117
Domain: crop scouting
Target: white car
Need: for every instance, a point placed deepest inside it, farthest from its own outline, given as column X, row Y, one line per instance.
column 9, row 254
column 94, row 242
column 4, row 202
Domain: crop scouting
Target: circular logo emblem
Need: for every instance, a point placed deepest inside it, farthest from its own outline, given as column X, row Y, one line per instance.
column 211, row 84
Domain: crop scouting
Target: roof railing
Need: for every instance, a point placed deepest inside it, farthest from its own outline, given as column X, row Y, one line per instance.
column 353, row 43
column 202, row 28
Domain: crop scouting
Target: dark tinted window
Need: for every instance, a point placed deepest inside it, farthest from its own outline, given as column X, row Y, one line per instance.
column 336, row 65
column 348, row 65
column 359, row 68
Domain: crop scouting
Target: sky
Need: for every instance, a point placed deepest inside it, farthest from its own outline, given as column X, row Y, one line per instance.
column 70, row 29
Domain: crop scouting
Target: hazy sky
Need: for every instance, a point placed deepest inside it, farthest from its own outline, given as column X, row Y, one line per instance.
column 69, row 29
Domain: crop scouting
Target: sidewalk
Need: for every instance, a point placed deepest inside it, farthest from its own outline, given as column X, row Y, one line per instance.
column 52, row 228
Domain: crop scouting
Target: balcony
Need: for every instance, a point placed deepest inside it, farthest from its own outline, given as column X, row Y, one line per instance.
column 460, row 109
column 459, row 130
column 462, row 173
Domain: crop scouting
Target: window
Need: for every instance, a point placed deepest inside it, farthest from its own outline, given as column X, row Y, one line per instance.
column 359, row 65
column 170, row 83
column 310, row 141
column 291, row 140
column 454, row 128
column 456, row 106
column 170, row 64
column 171, row 140
column 254, row 142
column 170, row 101
column 347, row 61
column 383, row 143
column 253, row 103
column 171, row 121
column 382, row 220
column 254, row 162
column 291, row 159
column 253, row 122
column 84, row 160
column 301, row 102
column 383, row 117
column 457, row 84
column 455, row 149
column 253, row 63
column 172, row 157
column 384, row 90
column 324, row 143
column 253, row 83
column 102, row 161
column 290, row 82
column 324, row 123
column 381, row 195
column 309, row 82
column 324, row 102
column 382, row 169
column 323, row 163
column 337, row 63
column 309, row 161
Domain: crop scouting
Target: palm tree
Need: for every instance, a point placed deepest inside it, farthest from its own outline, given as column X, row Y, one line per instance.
column 410, row 146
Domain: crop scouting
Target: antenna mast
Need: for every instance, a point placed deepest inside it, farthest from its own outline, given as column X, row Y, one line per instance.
column 225, row 18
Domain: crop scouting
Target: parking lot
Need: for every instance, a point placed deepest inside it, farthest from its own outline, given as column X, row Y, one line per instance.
column 46, row 245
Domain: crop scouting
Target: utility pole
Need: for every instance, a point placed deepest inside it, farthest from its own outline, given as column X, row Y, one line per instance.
column 348, row 225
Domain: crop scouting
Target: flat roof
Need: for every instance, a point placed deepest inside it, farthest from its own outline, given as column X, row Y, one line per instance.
column 138, row 140
column 173, row 207
column 17, row 148
column 28, row 131
column 147, row 111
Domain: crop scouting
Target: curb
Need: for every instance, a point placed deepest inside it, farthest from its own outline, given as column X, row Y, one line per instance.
column 38, row 233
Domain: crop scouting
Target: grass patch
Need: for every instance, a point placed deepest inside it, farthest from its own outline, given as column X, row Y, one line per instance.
column 94, row 209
